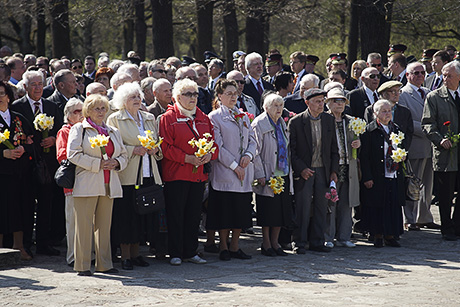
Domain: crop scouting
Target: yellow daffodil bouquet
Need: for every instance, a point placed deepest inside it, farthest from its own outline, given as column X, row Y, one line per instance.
column 399, row 154
column 357, row 126
column 100, row 141
column 148, row 141
column 203, row 145
column 276, row 184
column 4, row 138
column 44, row 123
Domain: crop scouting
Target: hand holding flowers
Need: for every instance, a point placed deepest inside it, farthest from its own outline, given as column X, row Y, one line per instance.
column 44, row 123
column 149, row 142
column 100, row 141
column 276, row 184
column 204, row 146
column 357, row 126
column 332, row 195
column 4, row 139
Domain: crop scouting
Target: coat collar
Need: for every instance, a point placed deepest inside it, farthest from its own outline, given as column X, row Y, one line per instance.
column 264, row 123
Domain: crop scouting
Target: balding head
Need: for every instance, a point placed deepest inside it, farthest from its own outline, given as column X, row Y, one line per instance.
column 96, row 88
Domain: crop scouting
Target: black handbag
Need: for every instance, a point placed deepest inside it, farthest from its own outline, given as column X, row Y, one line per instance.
column 147, row 199
column 413, row 184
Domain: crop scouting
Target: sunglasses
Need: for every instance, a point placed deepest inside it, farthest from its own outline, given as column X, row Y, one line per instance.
column 416, row 73
column 376, row 65
column 240, row 81
column 373, row 76
column 40, row 65
column 77, row 67
column 339, row 100
column 78, row 111
column 191, row 94
column 162, row 71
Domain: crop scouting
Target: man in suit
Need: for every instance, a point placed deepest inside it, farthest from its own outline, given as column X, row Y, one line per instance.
column 397, row 66
column 50, row 223
column 205, row 95
column 90, row 67
column 366, row 95
column 244, row 101
column 315, row 161
column 255, row 85
column 66, row 88
column 163, row 93
column 413, row 96
column 297, row 62
column 440, row 118
column 374, row 59
column 215, row 72
column 296, row 102
column 440, row 58
column 50, row 88
column 427, row 57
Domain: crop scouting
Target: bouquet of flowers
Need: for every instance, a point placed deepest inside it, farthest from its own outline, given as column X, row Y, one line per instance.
column 287, row 118
column 332, row 194
column 399, row 154
column 203, row 145
column 44, row 123
column 250, row 115
column 4, row 138
column 148, row 141
column 357, row 126
column 101, row 141
column 276, row 184
column 453, row 138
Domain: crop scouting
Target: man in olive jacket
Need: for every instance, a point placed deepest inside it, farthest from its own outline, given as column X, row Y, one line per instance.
column 315, row 161
column 441, row 117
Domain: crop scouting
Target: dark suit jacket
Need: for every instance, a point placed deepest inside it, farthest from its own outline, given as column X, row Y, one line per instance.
column 402, row 118
column 300, row 142
column 251, row 90
column 358, row 102
column 295, row 103
column 204, row 101
column 350, row 84
column 59, row 100
column 48, row 91
column 383, row 79
column 297, row 84
column 155, row 109
column 429, row 82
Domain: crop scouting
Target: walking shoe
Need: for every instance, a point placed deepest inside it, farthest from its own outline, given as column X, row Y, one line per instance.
column 211, row 248
column 300, row 250
column 329, row 244
column 175, row 261
column 139, row 261
column 195, row 259
column 345, row 244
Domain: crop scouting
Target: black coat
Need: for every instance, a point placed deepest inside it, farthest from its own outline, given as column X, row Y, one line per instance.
column 295, row 103
column 250, row 90
column 358, row 102
column 204, row 101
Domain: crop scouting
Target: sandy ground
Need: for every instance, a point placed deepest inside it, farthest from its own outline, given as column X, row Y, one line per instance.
column 424, row 272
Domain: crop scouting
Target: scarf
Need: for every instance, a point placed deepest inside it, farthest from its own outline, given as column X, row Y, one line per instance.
column 187, row 113
column 100, row 129
column 283, row 164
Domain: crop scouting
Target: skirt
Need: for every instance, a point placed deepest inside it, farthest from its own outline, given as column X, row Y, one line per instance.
column 275, row 211
column 228, row 210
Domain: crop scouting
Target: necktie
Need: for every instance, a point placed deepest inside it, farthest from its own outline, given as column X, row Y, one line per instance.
column 375, row 97
column 242, row 105
column 436, row 84
column 457, row 101
column 212, row 85
column 259, row 88
column 295, row 82
column 37, row 108
column 422, row 93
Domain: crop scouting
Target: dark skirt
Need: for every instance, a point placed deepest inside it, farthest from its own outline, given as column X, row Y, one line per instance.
column 386, row 220
column 10, row 205
column 228, row 210
column 275, row 211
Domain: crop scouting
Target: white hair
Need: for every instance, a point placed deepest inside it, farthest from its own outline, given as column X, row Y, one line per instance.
column 128, row 68
column 379, row 104
column 270, row 99
column 115, row 64
column 250, row 58
column 123, row 92
column 330, row 85
column 310, row 78
column 156, row 85
column 180, row 85
column 70, row 106
column 29, row 75
column 449, row 65
column 115, row 80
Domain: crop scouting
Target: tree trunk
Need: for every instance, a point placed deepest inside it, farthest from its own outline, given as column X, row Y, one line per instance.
column 40, row 47
column 374, row 28
column 162, row 28
column 128, row 37
column 60, row 32
column 257, row 21
column 88, row 36
column 353, row 35
column 204, row 13
column 141, row 28
column 230, row 32
column 26, row 45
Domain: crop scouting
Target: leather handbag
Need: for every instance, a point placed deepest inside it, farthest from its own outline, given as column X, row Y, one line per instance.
column 65, row 174
column 413, row 184
column 147, row 199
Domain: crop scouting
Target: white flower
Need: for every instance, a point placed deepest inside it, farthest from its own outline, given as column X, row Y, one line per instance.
column 357, row 125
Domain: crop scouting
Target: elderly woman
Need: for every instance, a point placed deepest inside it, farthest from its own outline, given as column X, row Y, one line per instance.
column 339, row 219
column 103, row 76
column 183, row 172
column 96, row 185
column 132, row 122
column 72, row 115
column 383, row 179
column 230, row 191
column 15, row 172
column 272, row 160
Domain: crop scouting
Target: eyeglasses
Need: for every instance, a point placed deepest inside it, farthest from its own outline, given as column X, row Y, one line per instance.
column 394, row 92
column 99, row 110
column 40, row 65
column 373, row 76
column 78, row 111
column 162, row 71
column 338, row 100
column 230, row 94
column 240, row 81
column 376, row 65
column 416, row 73
column 77, row 67
column 191, row 94
column 2, row 94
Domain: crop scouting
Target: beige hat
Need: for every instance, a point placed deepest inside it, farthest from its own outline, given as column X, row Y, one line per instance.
column 336, row 93
column 387, row 85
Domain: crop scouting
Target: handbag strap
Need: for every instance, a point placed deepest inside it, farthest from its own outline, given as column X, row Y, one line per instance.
column 193, row 131
column 139, row 171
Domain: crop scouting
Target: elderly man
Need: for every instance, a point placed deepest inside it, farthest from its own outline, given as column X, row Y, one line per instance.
column 205, row 95
column 413, row 96
column 132, row 70
column 297, row 61
column 241, row 65
column 50, row 88
column 244, row 102
column 162, row 93
column 296, row 102
column 118, row 79
column 255, row 85
column 315, row 161
column 146, row 87
column 440, row 58
column 366, row 95
column 66, row 88
column 186, row 72
column 50, row 223
column 96, row 88
column 441, row 118
column 374, row 59
column 397, row 66
column 17, row 69
column 156, row 69
column 215, row 72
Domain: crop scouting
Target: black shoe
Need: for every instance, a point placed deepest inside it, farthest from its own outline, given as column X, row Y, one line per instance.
column 225, row 255
column 28, row 251
column 71, row 264
column 300, row 250
column 110, row 271
column 430, row 225
column 378, row 242
column 267, row 252
column 239, row 254
column 320, row 248
column 280, row 252
column 211, row 248
column 126, row 264
column 413, row 227
column 47, row 250
column 449, row 237
column 85, row 273
column 392, row 242
column 139, row 261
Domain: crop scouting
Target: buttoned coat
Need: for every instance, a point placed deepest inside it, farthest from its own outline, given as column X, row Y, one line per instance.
column 89, row 177
column 301, row 144
column 420, row 147
column 129, row 133
column 267, row 151
column 439, row 108
column 235, row 139
column 155, row 109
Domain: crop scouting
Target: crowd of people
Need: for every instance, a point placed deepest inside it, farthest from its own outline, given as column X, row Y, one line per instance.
column 279, row 136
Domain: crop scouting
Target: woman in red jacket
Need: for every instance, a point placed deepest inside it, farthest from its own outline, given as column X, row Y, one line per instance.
column 184, row 186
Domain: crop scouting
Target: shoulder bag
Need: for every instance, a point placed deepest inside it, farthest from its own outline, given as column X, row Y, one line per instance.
column 147, row 199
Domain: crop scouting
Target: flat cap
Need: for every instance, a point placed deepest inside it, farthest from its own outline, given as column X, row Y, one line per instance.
column 313, row 92
column 387, row 85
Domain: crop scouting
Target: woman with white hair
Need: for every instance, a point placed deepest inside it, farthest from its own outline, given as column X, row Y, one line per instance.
column 183, row 172
column 272, row 160
column 72, row 115
column 383, row 179
column 132, row 122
